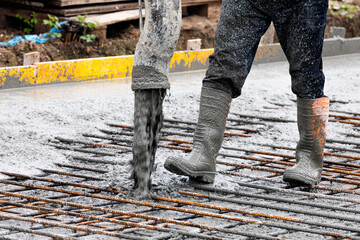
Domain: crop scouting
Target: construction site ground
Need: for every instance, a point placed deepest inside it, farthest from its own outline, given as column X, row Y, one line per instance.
column 71, row 143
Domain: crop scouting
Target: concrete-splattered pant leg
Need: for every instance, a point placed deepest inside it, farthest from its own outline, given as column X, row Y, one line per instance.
column 237, row 37
column 300, row 26
column 301, row 35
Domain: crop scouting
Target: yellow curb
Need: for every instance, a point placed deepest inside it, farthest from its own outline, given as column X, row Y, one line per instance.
column 107, row 68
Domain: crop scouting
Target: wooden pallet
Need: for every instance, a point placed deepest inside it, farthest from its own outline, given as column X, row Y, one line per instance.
column 66, row 3
column 61, row 3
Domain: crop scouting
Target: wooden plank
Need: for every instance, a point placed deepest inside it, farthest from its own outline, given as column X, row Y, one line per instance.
column 28, row 3
column 188, row 3
column 93, row 9
column 65, row 3
column 118, row 7
column 111, row 18
column 60, row 3
column 98, row 8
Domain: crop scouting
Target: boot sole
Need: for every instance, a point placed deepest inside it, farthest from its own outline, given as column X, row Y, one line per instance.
column 173, row 165
column 297, row 179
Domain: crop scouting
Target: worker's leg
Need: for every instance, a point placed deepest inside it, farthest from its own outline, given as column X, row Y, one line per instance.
column 238, row 34
column 301, row 33
column 240, row 28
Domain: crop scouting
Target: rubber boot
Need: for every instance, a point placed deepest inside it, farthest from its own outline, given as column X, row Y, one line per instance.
column 208, row 137
column 312, row 121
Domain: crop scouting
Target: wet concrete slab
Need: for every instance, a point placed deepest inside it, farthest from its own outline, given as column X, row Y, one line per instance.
column 344, row 67
column 32, row 118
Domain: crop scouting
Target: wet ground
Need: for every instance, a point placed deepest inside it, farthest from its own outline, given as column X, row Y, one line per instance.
column 32, row 118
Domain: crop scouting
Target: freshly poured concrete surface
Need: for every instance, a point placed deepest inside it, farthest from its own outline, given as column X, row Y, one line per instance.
column 29, row 117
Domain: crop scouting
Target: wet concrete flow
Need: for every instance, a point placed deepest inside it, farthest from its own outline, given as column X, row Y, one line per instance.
column 150, row 75
column 148, row 118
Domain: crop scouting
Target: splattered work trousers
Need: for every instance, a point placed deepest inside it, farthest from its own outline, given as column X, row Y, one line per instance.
column 300, row 26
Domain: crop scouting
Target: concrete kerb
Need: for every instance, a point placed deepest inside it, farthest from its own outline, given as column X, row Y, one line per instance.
column 121, row 66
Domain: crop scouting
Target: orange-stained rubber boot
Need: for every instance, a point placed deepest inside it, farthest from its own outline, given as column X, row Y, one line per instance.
column 312, row 122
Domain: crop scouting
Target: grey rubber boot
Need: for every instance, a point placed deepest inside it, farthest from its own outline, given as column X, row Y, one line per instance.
column 312, row 121
column 208, row 137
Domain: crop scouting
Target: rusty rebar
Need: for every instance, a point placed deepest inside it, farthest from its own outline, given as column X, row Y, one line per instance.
column 258, row 168
column 193, row 129
column 107, row 131
column 291, row 191
column 279, row 170
column 173, row 133
column 94, row 160
column 320, row 187
column 44, row 188
column 71, row 174
column 347, row 112
column 280, row 208
column 84, row 220
column 101, row 218
column 344, row 117
column 79, row 185
column 177, row 148
column 345, row 122
column 352, row 135
column 342, row 149
column 76, row 149
column 135, row 215
column 270, row 119
column 242, row 121
column 130, row 141
column 54, row 224
column 81, row 168
column 290, row 163
column 177, row 140
column 232, row 134
column 265, row 153
column 259, row 152
column 167, row 207
column 257, row 214
column 284, row 200
column 45, row 234
column 180, row 127
column 325, row 153
column 226, row 127
column 107, row 137
column 94, row 144
column 290, row 156
column 342, row 142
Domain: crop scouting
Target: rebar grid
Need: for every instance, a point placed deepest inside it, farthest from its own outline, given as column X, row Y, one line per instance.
column 167, row 207
column 103, row 214
column 346, row 172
